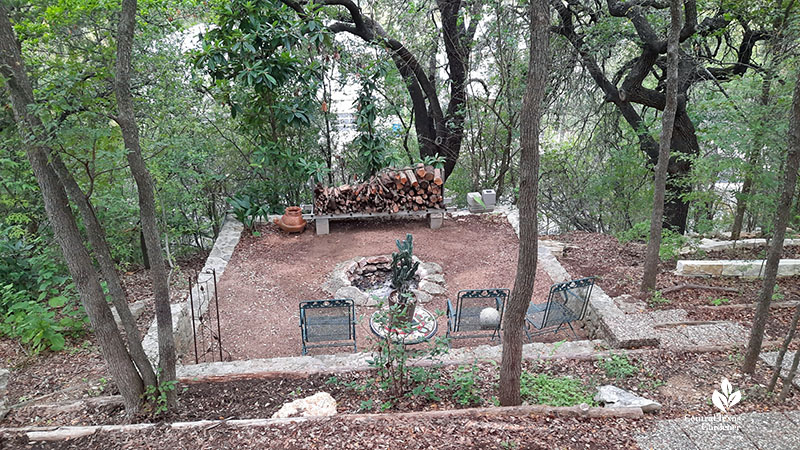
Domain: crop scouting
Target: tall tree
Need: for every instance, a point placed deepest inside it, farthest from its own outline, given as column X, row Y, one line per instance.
column 538, row 73
column 779, row 225
column 147, row 206
column 723, row 45
column 439, row 130
column 62, row 221
column 667, row 121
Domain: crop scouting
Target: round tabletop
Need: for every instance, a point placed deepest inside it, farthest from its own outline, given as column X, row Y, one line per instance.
column 423, row 328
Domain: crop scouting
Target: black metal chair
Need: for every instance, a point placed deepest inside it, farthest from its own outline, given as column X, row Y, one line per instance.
column 464, row 319
column 566, row 303
column 328, row 323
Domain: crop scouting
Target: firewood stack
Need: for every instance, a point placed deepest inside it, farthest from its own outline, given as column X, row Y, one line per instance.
column 391, row 190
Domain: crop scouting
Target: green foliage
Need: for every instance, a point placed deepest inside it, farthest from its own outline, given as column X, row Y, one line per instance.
column 370, row 145
column 657, row 299
column 618, row 366
column 671, row 242
column 38, row 304
column 391, row 357
column 437, row 161
column 403, row 266
column 259, row 56
column 156, row 397
column 719, row 301
column 777, row 295
column 464, row 385
column 543, row 389
column 248, row 210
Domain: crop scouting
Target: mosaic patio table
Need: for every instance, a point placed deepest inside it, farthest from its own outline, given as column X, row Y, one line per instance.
column 423, row 328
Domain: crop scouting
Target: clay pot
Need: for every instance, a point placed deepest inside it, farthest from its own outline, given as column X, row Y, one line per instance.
column 292, row 220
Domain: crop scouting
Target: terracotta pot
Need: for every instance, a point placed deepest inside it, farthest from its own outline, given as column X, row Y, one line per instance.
column 292, row 220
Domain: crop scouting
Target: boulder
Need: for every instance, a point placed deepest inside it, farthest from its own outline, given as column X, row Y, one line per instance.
column 319, row 404
column 383, row 259
column 431, row 288
column 430, row 268
column 614, row 397
column 435, row 278
column 421, row 296
column 359, row 298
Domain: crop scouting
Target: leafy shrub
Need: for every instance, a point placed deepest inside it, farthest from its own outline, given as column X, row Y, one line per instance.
column 391, row 357
column 617, row 366
column 671, row 242
column 543, row 389
column 248, row 210
column 464, row 386
column 38, row 303
column 658, row 299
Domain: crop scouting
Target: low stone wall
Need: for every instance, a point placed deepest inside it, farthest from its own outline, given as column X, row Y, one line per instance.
column 203, row 292
column 735, row 268
column 715, row 245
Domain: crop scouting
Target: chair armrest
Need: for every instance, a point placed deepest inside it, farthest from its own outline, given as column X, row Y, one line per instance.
column 534, row 308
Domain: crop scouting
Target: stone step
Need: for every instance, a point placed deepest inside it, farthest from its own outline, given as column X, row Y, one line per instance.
column 771, row 358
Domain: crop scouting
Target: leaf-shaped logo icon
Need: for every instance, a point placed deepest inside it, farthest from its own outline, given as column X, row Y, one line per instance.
column 727, row 398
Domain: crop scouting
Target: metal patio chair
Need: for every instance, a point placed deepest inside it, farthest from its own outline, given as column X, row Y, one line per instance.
column 566, row 303
column 328, row 323
column 464, row 319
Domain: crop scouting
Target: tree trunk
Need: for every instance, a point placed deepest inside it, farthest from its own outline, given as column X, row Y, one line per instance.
column 667, row 125
column 538, row 73
column 97, row 237
column 787, row 342
column 144, row 184
column 776, row 246
column 63, row 223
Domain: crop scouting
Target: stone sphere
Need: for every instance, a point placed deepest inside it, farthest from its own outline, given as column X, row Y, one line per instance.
column 490, row 318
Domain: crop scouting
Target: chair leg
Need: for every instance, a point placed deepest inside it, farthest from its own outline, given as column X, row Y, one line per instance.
column 573, row 330
column 527, row 330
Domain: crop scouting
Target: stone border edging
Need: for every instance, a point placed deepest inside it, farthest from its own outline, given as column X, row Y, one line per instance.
column 305, row 365
column 65, row 433
column 227, row 238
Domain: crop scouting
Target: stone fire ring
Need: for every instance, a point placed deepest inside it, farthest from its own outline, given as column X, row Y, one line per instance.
column 339, row 285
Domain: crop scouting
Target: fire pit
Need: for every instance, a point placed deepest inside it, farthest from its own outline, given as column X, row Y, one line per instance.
column 367, row 280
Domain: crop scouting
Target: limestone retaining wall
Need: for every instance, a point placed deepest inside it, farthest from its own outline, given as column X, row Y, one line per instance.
column 203, row 292
column 735, row 268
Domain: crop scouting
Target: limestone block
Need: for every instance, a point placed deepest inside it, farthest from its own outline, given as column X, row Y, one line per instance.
column 430, row 268
column 435, row 278
column 431, row 288
column 699, row 268
column 359, row 298
column 614, row 397
column 319, row 404
column 421, row 296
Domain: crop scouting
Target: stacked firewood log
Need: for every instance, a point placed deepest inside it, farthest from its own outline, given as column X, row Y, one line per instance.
column 391, row 190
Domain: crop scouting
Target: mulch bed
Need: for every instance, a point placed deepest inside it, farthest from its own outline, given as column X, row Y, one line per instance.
column 681, row 382
column 619, row 268
column 507, row 432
